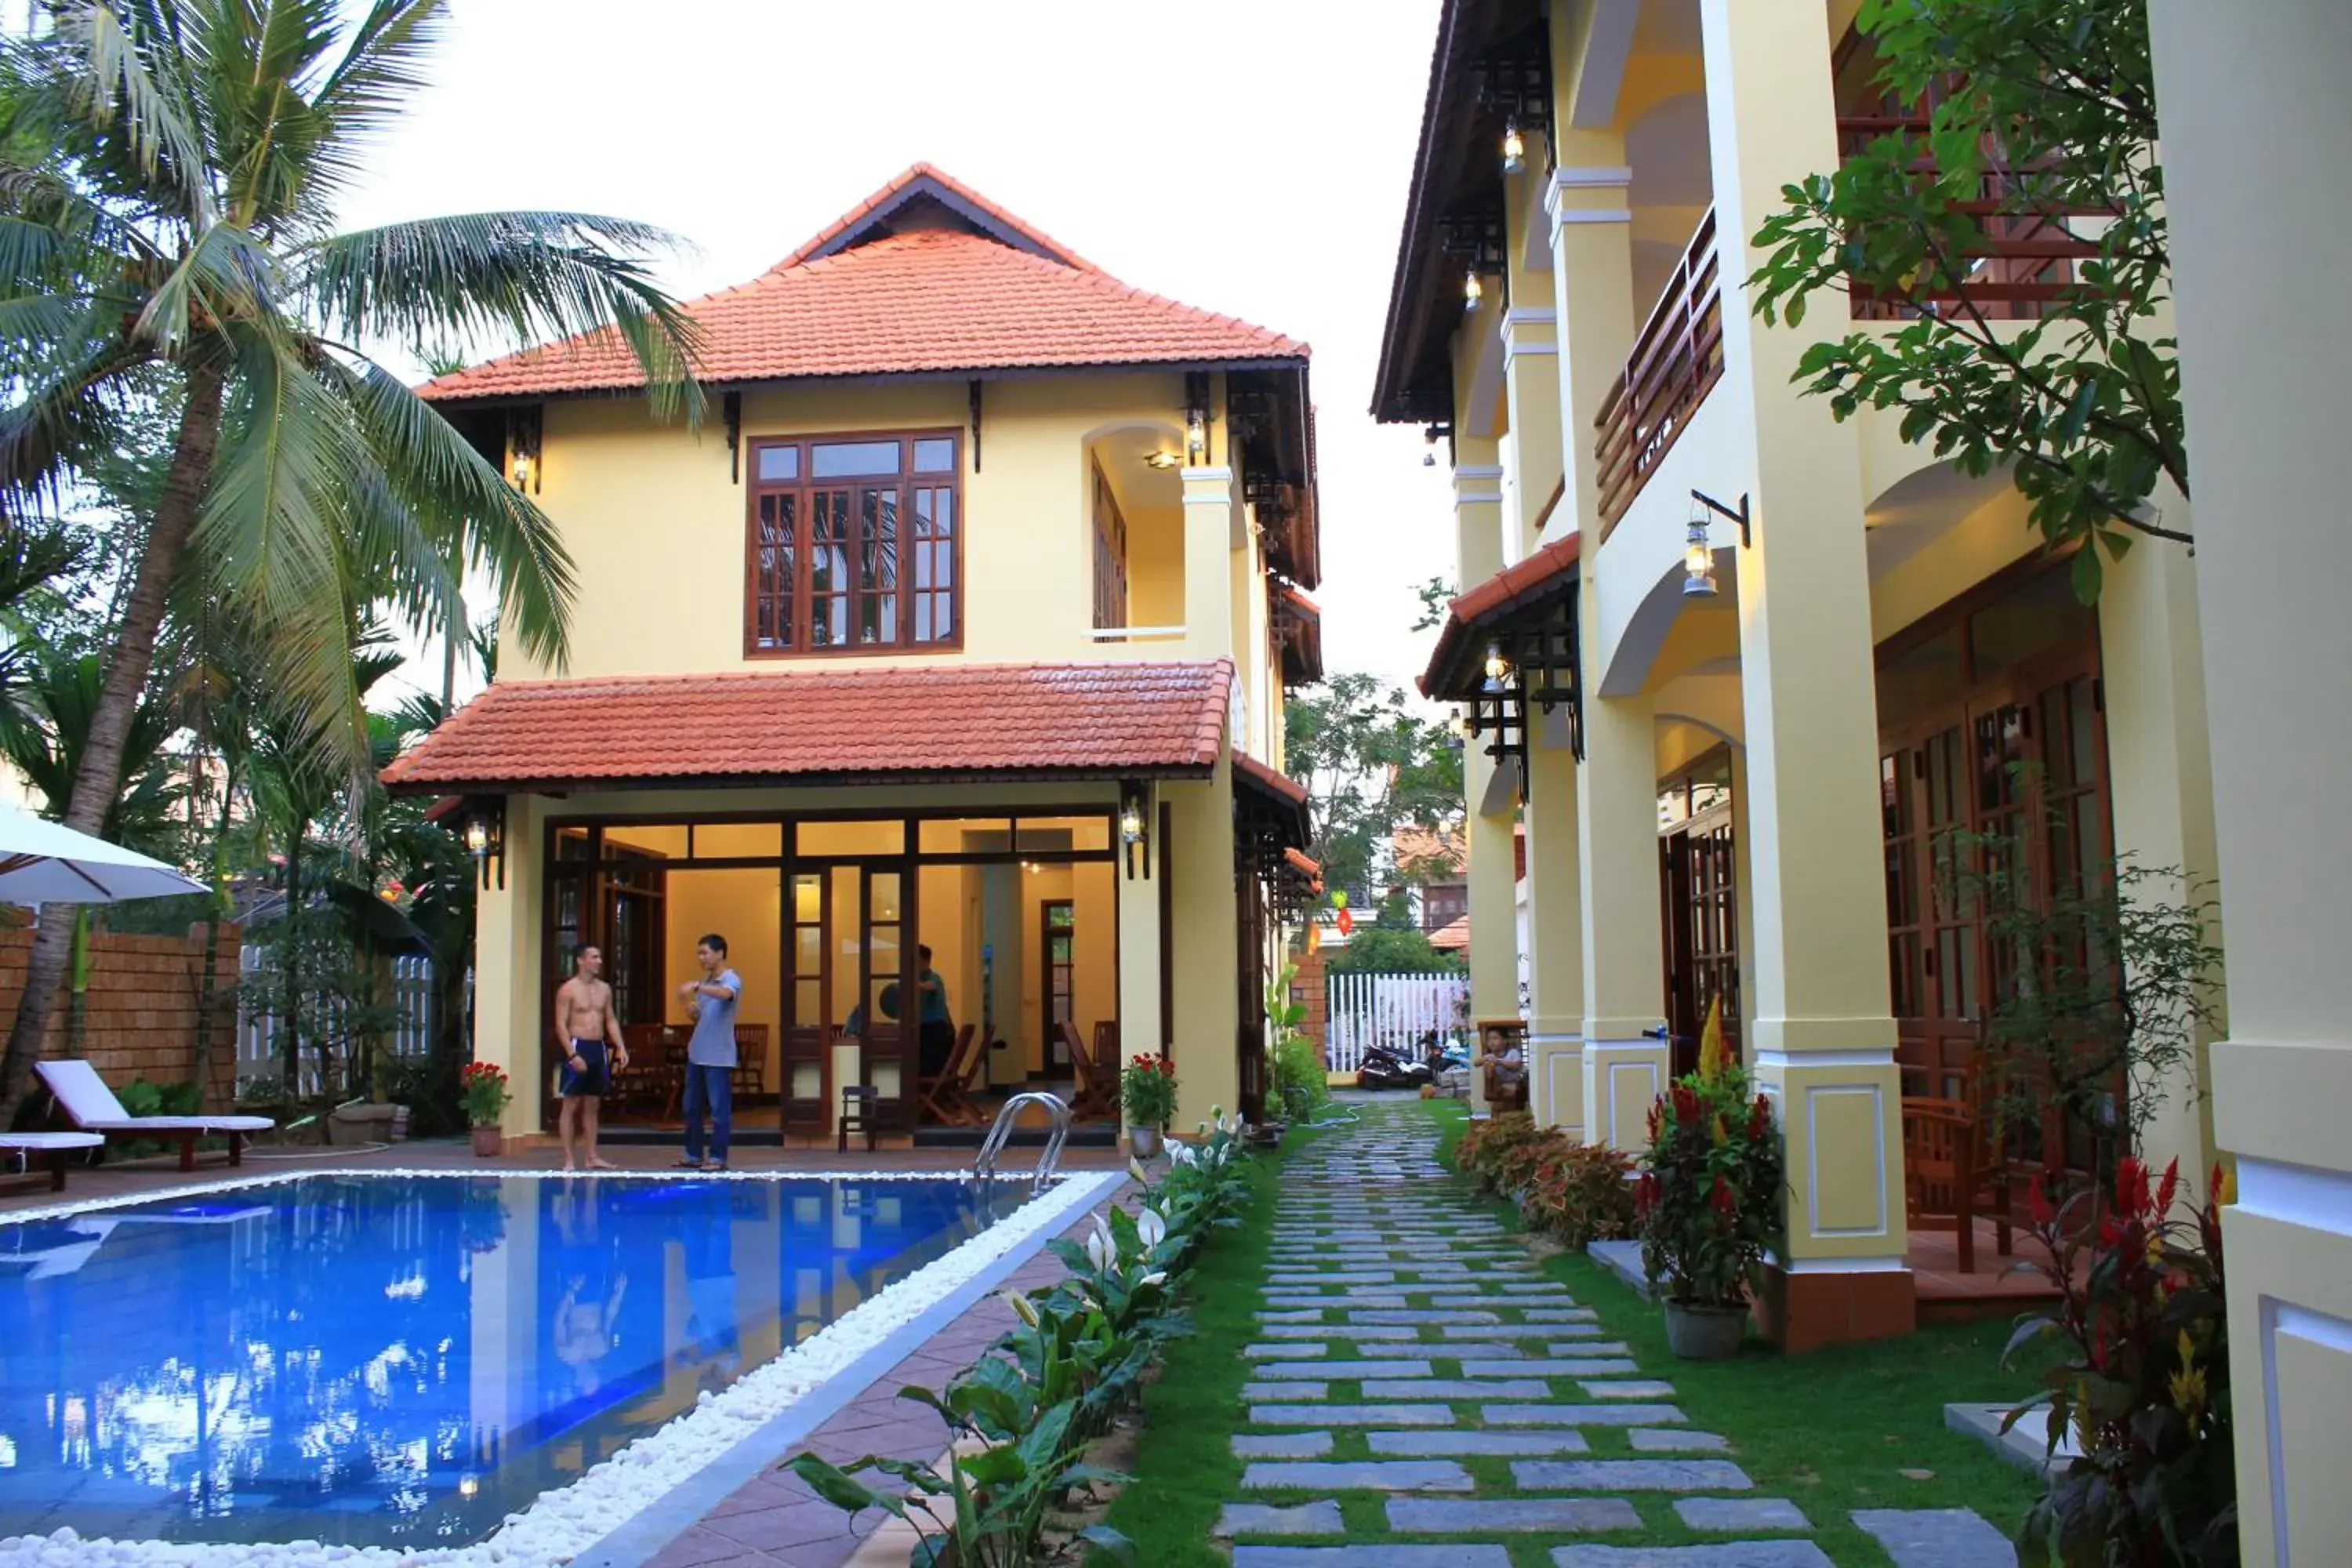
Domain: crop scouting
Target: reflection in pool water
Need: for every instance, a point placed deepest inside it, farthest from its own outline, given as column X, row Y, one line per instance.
column 405, row 1361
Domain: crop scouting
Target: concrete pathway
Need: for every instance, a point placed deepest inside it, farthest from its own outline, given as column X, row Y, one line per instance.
column 1418, row 1382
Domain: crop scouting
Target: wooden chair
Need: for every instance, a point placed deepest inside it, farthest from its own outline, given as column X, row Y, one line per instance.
column 948, row 1097
column 751, row 1074
column 1107, row 1043
column 1952, row 1171
column 1095, row 1095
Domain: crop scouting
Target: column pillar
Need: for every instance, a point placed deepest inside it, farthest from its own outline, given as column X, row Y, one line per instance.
column 1555, row 932
column 507, row 931
column 2252, row 102
column 1486, row 828
column 1625, row 1068
column 1823, row 1032
column 1211, row 514
column 1141, row 1029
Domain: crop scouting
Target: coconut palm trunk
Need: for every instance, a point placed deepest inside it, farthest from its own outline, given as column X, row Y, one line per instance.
column 99, row 777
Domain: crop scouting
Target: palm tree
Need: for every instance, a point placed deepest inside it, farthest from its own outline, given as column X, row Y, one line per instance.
column 169, row 171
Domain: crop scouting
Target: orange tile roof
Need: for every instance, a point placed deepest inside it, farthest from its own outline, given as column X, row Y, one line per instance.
column 861, row 299
column 1548, row 570
column 1281, row 785
column 1452, row 938
column 838, row 724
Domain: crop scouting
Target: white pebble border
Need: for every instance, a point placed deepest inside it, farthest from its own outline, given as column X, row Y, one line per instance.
column 562, row 1524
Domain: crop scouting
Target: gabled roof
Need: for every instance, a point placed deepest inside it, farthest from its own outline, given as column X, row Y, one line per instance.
column 923, row 278
column 845, row 724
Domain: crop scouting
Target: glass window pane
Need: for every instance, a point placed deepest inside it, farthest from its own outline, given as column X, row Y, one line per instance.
column 964, row 835
column 780, row 462
column 1041, row 834
column 808, row 950
column 887, row 836
column 808, row 1003
column 839, row 460
column 935, row 455
column 2040, row 615
column 738, row 840
column 885, row 897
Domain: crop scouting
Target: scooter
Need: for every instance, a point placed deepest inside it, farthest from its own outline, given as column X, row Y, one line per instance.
column 1383, row 1069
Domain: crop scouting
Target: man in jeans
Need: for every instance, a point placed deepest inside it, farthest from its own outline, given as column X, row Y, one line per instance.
column 710, row 1055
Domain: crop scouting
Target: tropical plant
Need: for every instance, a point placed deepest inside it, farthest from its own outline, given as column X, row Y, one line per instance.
column 2041, row 125
column 1371, row 765
column 1064, row 1347
column 1578, row 1193
column 1707, row 1203
column 1147, row 1091
column 1390, row 950
column 169, row 171
column 487, row 1094
column 2143, row 1385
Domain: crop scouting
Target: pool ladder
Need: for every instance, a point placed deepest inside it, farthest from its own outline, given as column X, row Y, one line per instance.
column 984, row 1167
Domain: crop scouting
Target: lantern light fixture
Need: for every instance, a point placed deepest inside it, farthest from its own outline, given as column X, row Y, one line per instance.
column 1515, row 147
column 485, row 836
column 1472, row 290
column 522, row 467
column 1699, row 562
column 1135, row 826
column 1498, row 667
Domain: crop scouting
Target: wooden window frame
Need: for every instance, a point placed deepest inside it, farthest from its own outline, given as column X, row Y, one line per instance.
column 800, row 600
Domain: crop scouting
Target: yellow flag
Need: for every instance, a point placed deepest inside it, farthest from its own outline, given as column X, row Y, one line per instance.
column 1710, row 1043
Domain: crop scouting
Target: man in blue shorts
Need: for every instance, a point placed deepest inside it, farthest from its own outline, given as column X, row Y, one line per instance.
column 585, row 1023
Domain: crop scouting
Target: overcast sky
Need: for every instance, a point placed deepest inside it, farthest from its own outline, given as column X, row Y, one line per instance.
column 1247, row 156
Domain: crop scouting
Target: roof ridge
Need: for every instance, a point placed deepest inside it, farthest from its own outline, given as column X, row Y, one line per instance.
column 905, row 180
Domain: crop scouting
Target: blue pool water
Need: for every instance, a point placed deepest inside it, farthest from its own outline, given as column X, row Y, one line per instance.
column 405, row 1361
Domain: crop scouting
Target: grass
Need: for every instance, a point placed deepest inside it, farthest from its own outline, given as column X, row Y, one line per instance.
column 1833, row 1430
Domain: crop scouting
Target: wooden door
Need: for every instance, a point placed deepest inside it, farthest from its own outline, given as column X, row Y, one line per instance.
column 1057, row 947
column 806, row 1055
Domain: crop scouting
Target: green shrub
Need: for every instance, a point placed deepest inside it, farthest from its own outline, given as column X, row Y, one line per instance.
column 1299, row 1077
column 1579, row 1192
column 140, row 1097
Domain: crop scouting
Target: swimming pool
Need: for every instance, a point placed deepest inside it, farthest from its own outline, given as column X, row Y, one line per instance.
column 405, row 1361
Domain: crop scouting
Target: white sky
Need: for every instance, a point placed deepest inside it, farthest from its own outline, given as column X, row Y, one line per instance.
column 1246, row 156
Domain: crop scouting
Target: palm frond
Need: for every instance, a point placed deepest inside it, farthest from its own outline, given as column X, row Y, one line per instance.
column 116, row 47
column 267, row 132
column 377, row 80
column 228, row 274
column 529, row 276
column 66, row 407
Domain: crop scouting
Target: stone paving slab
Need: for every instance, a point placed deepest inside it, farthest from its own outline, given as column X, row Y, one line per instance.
column 1733, row 1513
column 1338, row 1330
column 1535, row 1367
column 1262, row 1518
column 1443, row 1319
column 1486, row 1556
column 1636, row 1388
column 1478, row 1445
column 1349, row 1277
column 1561, row 1315
column 1648, row 1440
column 1473, row 1349
column 1714, row 1554
column 1286, row 1391
column 1291, row 1315
column 1281, row 1444
column 1581, row 1414
column 1938, row 1536
column 1459, row 1388
column 1358, row 1475
column 1352, row 1416
column 1345, row 1371
column 1475, row 1515
column 1282, row 1348
column 1630, row 1475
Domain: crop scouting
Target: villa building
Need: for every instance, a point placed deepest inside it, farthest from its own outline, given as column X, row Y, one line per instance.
column 1737, row 667
column 963, row 623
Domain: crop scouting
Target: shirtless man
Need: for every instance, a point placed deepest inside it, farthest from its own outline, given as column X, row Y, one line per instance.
column 584, row 1023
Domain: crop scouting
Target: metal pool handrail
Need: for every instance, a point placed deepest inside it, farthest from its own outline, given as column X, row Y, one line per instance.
column 993, row 1145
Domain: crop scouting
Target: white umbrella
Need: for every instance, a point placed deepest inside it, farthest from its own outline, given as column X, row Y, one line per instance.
column 44, row 862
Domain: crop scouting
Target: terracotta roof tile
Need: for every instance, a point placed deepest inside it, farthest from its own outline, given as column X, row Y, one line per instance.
column 925, row 301
column 1453, row 937
column 1083, row 719
column 1549, row 569
column 1280, row 784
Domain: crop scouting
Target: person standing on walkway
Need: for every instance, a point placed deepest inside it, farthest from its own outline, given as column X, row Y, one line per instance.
column 586, row 1023
column 711, row 1002
column 936, row 1040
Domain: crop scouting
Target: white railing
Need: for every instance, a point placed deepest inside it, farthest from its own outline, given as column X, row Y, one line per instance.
column 1402, row 1013
column 259, row 1045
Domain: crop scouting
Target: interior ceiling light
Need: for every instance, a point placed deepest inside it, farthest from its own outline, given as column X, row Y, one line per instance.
column 1162, row 459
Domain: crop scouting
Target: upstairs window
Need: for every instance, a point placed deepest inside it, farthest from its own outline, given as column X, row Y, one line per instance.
column 854, row 545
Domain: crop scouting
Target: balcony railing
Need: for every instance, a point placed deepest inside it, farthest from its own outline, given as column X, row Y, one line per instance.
column 2021, row 262
column 1677, row 360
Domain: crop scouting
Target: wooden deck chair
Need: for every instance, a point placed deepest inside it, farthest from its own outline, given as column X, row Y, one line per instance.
column 1095, row 1095
column 948, row 1097
column 91, row 1107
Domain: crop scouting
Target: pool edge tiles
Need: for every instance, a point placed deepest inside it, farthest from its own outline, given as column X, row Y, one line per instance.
column 599, row 1519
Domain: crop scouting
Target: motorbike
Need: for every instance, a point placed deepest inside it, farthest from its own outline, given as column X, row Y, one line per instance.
column 1384, row 1068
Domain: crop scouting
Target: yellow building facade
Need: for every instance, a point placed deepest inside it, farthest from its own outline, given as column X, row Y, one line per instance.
column 950, row 648
column 1734, row 754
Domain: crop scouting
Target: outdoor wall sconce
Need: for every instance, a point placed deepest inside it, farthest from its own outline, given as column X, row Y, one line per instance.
column 1473, row 290
column 1135, row 826
column 485, row 836
column 1698, row 555
column 1515, row 147
column 1498, row 667
column 522, row 450
column 1196, row 416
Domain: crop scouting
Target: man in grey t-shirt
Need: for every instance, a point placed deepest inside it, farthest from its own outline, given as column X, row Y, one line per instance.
column 711, row 1000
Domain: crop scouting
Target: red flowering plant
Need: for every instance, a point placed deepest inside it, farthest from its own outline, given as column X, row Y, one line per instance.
column 2143, row 1387
column 1707, row 1203
column 484, row 1085
column 1146, row 1089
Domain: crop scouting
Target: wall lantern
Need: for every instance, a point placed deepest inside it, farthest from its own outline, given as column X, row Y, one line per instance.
column 1515, row 148
column 1698, row 552
column 1135, row 826
column 1473, row 290
column 523, row 465
column 1498, row 667
column 486, row 834
column 1196, row 416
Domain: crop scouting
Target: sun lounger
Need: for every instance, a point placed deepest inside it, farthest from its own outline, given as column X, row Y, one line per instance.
column 56, row 1145
column 90, row 1106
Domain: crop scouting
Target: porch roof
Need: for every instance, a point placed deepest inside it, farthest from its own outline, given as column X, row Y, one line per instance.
column 1493, row 607
column 1274, row 805
column 837, row 725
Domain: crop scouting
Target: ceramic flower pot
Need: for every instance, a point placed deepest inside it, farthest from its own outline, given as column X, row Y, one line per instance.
column 1705, row 1334
column 489, row 1144
column 1144, row 1142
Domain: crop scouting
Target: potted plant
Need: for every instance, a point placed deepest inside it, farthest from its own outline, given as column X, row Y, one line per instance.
column 1147, row 1091
column 1708, row 1202
column 484, row 1085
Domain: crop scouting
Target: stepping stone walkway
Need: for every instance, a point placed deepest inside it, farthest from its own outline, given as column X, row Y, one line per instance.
column 1415, row 1376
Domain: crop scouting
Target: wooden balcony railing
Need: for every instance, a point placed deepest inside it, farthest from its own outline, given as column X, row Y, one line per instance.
column 1677, row 360
column 2021, row 262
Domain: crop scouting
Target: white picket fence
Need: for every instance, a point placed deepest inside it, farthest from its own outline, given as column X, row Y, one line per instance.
column 1397, row 1011
column 259, row 1044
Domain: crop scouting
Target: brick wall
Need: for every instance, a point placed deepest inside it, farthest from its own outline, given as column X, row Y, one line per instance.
column 140, row 1018
column 1308, row 987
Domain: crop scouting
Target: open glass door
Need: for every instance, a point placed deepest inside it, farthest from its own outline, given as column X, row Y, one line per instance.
column 807, row 1058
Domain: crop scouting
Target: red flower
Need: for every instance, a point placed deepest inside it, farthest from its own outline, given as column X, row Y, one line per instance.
column 2038, row 1202
column 1721, row 1199
column 2131, row 1185
column 1760, row 1115
column 1685, row 1103
column 1646, row 1193
column 2169, row 1186
column 1657, row 1110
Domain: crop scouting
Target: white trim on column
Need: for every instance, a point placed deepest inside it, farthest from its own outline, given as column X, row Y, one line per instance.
column 1872, row 1059
column 1839, row 1264
column 2295, row 1195
column 1477, row 471
column 2321, row 1329
column 1528, row 316
column 1567, row 215
column 1814, row 1095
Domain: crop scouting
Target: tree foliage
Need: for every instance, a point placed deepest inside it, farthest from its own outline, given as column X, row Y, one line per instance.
column 1371, row 765
column 1390, row 950
column 2047, row 110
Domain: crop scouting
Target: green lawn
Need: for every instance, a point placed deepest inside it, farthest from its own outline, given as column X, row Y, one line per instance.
column 1835, row 1430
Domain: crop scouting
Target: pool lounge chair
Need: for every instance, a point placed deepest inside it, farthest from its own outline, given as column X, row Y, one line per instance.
column 90, row 1106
